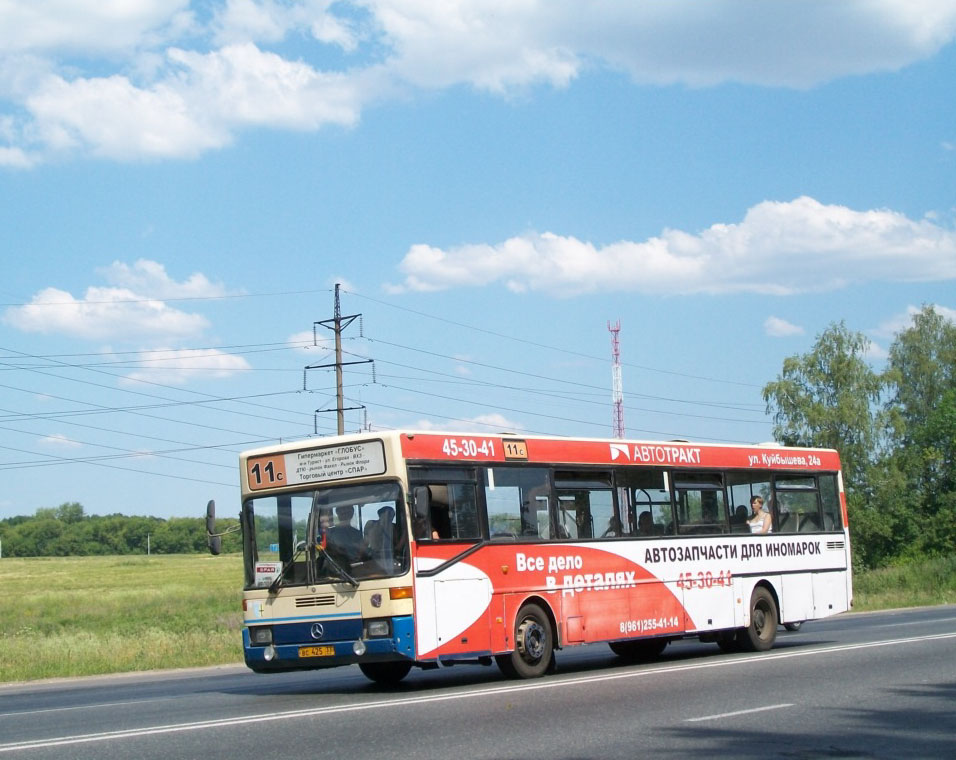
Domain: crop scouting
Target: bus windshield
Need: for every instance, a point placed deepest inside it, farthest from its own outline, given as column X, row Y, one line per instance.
column 309, row 537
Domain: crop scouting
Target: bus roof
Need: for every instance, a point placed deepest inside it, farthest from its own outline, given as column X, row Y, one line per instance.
column 430, row 445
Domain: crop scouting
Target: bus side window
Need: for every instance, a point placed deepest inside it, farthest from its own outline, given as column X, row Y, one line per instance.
column 742, row 487
column 648, row 499
column 452, row 495
column 452, row 513
column 585, row 505
column 796, row 504
column 701, row 505
column 830, row 497
column 517, row 502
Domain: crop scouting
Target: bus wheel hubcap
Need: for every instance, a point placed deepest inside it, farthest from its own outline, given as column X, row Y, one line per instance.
column 531, row 638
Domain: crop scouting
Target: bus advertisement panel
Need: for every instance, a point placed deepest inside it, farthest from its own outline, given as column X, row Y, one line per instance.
column 407, row 549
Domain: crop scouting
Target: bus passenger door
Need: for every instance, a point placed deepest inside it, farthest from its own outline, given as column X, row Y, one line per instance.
column 796, row 601
column 452, row 612
column 705, row 577
column 462, row 615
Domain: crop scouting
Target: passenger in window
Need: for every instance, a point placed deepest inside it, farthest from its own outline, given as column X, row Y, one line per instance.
column 645, row 524
column 347, row 538
column 422, row 529
column 380, row 534
column 613, row 528
column 441, row 523
column 325, row 520
column 760, row 521
column 738, row 523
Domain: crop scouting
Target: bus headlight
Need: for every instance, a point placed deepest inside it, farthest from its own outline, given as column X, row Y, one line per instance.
column 359, row 648
column 261, row 635
column 377, row 629
column 269, row 654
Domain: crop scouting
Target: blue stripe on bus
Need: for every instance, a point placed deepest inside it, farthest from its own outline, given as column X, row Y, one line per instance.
column 267, row 621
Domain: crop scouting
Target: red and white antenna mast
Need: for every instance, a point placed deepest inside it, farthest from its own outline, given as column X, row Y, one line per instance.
column 617, row 387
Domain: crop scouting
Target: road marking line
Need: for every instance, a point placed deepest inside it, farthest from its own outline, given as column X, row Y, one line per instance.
column 555, row 683
column 735, row 713
column 914, row 622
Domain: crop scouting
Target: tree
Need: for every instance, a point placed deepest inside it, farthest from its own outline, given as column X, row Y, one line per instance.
column 828, row 398
column 921, row 379
column 920, row 370
column 70, row 512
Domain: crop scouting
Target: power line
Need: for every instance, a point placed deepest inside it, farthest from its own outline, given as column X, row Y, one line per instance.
column 173, row 299
column 67, row 460
column 563, row 350
column 574, row 383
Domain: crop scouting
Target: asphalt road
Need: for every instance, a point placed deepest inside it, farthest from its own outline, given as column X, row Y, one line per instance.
column 879, row 685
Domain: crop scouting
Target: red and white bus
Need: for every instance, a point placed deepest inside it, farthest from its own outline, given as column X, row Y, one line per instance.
column 401, row 549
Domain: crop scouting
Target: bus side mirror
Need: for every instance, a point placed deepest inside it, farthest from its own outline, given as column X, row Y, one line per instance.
column 213, row 540
column 422, row 501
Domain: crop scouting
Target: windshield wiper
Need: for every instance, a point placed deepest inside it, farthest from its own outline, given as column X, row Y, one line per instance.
column 277, row 582
column 339, row 570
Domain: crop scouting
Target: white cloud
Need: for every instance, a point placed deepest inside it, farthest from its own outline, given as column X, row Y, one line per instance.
column 15, row 158
column 776, row 327
column 492, row 44
column 946, row 313
column 497, row 44
column 130, row 310
column 483, row 423
column 102, row 314
column 241, row 85
column 312, row 342
column 149, row 278
column 179, row 366
column 903, row 321
column 270, row 21
column 89, row 27
column 203, row 99
column 874, row 352
column 112, row 118
column 174, row 78
column 778, row 248
column 60, row 440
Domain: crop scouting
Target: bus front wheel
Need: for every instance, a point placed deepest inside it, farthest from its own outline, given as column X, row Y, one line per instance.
column 386, row 673
column 533, row 645
column 762, row 631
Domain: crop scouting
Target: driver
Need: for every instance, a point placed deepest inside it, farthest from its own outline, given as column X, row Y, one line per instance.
column 346, row 538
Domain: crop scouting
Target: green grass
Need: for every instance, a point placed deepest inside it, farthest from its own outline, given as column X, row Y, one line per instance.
column 76, row 616
column 915, row 584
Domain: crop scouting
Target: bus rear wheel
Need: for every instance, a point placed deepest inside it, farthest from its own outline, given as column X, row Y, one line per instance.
column 385, row 673
column 638, row 651
column 762, row 631
column 533, row 645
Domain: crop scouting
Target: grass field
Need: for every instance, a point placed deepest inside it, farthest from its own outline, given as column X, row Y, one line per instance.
column 916, row 584
column 73, row 616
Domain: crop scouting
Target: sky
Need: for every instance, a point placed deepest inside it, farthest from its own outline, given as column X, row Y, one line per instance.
column 492, row 184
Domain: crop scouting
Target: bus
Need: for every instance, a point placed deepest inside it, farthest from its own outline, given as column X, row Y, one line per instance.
column 405, row 549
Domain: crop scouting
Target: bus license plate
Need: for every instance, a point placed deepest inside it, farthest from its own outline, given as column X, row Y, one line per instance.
column 327, row 651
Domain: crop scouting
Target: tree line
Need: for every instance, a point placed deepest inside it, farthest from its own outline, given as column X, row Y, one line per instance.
column 895, row 430
column 67, row 530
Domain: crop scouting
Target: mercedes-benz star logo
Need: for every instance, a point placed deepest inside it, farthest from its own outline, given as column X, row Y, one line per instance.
column 318, row 630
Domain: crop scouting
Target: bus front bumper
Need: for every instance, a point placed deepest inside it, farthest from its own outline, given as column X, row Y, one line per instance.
column 293, row 649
